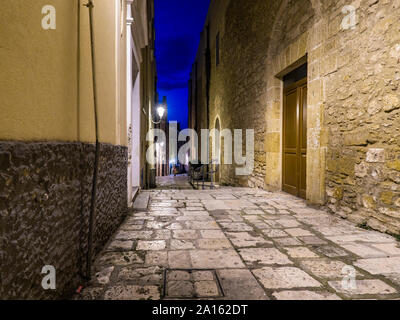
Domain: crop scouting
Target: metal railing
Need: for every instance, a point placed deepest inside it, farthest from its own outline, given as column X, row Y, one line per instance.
column 199, row 174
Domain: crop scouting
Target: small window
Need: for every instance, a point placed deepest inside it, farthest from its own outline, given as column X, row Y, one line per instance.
column 217, row 50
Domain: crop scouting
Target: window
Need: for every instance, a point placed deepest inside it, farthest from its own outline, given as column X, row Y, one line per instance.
column 217, row 50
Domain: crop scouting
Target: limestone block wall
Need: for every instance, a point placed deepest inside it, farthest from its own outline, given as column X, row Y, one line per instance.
column 362, row 114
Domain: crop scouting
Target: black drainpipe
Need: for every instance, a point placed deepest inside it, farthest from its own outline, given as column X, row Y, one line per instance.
column 90, row 5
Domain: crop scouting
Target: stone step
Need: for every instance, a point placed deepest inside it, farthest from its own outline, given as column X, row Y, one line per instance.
column 142, row 201
column 135, row 193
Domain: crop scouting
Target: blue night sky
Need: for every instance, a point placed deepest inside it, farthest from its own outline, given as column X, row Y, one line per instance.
column 178, row 25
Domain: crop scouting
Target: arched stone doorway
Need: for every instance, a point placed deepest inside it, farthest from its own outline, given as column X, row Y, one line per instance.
column 291, row 47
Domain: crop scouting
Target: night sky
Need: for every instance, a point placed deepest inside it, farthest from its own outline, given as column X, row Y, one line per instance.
column 178, row 25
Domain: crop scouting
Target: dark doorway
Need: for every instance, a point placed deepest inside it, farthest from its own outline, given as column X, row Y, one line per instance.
column 295, row 132
column 217, row 141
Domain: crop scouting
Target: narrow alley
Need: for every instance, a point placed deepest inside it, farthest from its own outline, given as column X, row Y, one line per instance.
column 222, row 150
column 242, row 244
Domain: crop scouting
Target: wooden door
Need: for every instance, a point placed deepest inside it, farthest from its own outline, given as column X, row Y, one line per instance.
column 295, row 139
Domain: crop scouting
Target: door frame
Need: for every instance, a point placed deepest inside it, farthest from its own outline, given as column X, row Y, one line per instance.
column 291, row 88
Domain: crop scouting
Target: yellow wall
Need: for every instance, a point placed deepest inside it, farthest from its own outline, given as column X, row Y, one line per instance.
column 46, row 80
column 110, row 54
column 38, row 72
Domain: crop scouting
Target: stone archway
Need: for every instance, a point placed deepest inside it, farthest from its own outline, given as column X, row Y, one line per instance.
column 291, row 46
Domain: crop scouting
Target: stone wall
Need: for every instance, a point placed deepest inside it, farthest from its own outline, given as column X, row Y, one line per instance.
column 353, row 135
column 362, row 114
column 45, row 192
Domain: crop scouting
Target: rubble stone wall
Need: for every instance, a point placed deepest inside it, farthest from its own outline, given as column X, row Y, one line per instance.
column 45, row 193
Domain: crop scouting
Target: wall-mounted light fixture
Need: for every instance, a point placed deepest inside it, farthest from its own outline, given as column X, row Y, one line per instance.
column 160, row 112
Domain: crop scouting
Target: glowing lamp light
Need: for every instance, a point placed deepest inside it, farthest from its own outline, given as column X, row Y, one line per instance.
column 160, row 111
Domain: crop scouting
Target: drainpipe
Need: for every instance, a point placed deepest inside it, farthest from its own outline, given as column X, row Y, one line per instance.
column 90, row 5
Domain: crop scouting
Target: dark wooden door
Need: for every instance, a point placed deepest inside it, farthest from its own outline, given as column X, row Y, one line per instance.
column 295, row 139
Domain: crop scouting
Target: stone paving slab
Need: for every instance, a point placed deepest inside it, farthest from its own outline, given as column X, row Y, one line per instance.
column 241, row 243
column 142, row 201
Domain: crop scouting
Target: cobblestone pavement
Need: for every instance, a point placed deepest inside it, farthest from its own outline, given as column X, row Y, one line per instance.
column 239, row 243
column 180, row 182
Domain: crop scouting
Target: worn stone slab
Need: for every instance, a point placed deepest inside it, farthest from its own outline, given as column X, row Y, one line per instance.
column 301, row 252
column 202, row 225
column 179, row 259
column 212, row 234
column 141, row 202
column 120, row 258
column 285, row 278
column 363, row 250
column 182, row 244
column 288, row 242
column 211, row 205
column 298, row 232
column 312, row 240
column 203, row 276
column 305, row 295
column 215, row 259
column 331, row 251
column 373, row 237
column 214, row 244
column 236, row 226
column 180, row 289
column 157, row 258
column 174, row 226
column 133, row 235
column 391, row 249
column 267, row 256
column 185, row 234
column 363, row 287
column 148, row 274
column 206, row 289
column 326, row 268
column 288, row 223
column 151, row 245
column 379, row 265
column 178, row 275
column 244, row 239
column 240, row 284
column 161, row 234
column 132, row 293
column 253, row 211
column 118, row 245
column 275, row 233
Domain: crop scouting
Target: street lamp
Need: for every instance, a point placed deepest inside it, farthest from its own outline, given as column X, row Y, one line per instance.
column 160, row 112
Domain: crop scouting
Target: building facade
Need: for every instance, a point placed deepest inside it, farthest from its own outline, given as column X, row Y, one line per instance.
column 318, row 81
column 47, row 134
column 162, row 149
column 142, row 96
